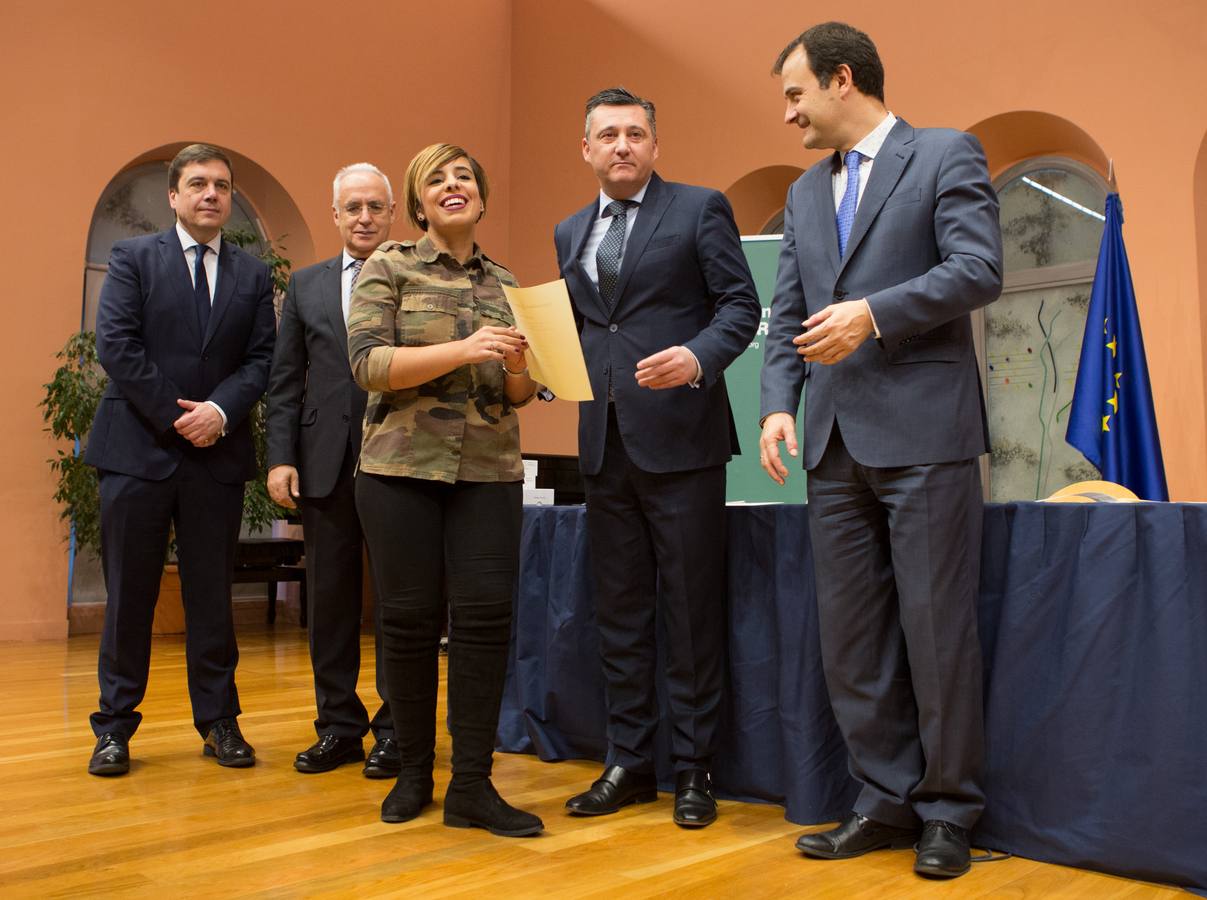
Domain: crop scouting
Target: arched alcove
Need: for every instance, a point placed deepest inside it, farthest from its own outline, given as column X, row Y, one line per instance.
column 1200, row 234
column 1010, row 138
column 758, row 197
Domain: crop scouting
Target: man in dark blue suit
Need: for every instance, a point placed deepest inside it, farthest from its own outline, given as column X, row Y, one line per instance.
column 889, row 244
column 315, row 411
column 664, row 302
column 185, row 332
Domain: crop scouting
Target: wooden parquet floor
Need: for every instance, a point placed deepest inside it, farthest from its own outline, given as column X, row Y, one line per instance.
column 181, row 826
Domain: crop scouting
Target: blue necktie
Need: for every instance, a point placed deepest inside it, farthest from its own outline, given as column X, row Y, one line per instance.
column 607, row 257
column 201, row 288
column 850, row 199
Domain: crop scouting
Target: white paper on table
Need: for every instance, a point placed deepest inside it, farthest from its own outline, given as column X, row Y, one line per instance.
column 555, row 357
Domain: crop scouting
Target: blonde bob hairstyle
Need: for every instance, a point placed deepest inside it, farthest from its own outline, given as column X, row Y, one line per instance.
column 427, row 161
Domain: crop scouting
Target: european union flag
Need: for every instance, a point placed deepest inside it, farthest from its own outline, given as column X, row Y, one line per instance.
column 1112, row 420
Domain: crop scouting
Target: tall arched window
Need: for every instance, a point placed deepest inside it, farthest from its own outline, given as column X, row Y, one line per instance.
column 1052, row 216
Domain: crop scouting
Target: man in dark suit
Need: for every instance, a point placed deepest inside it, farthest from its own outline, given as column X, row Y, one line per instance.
column 184, row 330
column 888, row 245
column 315, row 411
column 664, row 302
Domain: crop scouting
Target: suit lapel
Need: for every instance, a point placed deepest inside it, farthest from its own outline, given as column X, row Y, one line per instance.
column 171, row 255
column 583, row 220
column 331, row 295
column 228, row 277
column 822, row 191
column 653, row 207
column 890, row 162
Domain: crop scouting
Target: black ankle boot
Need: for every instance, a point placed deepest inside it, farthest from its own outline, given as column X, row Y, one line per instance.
column 406, row 799
column 409, row 649
column 478, row 805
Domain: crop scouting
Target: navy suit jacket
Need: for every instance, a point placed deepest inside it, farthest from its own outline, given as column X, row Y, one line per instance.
column 149, row 343
column 683, row 281
column 925, row 249
column 315, row 408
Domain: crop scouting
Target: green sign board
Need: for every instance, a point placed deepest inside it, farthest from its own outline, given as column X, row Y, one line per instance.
column 745, row 479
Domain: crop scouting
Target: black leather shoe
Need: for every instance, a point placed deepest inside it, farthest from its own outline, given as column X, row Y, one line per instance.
column 384, row 759
column 942, row 850
column 406, row 799
column 225, row 741
column 694, row 804
column 329, row 752
column 111, row 756
column 615, row 788
column 854, row 837
column 479, row 805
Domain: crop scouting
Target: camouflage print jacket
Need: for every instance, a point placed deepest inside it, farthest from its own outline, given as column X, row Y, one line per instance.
column 459, row 426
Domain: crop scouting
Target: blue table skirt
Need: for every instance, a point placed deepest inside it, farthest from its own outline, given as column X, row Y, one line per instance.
column 1093, row 625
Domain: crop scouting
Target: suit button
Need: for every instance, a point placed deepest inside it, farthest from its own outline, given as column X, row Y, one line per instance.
column 205, row 357
column 345, row 417
column 839, row 294
column 613, row 328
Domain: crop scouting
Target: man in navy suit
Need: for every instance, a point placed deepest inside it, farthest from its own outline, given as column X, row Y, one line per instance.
column 185, row 332
column 889, row 244
column 314, row 418
column 664, row 302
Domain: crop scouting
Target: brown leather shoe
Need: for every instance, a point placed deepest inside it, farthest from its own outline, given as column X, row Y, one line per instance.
column 854, row 837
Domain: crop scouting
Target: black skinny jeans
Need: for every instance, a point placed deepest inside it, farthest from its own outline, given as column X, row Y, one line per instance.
column 430, row 540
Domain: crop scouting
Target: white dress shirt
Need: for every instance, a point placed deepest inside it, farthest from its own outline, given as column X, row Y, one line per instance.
column 868, row 148
column 599, row 228
column 189, row 244
column 345, row 283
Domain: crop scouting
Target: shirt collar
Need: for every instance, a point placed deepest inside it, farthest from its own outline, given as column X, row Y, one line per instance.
column 874, row 140
column 187, row 240
column 428, row 253
column 349, row 259
column 637, row 198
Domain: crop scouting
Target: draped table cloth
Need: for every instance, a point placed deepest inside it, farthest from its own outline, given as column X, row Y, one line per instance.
column 1093, row 628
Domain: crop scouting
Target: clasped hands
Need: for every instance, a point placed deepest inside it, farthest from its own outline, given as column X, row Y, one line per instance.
column 201, row 424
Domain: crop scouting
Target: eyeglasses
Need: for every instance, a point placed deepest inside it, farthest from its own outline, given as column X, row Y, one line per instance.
column 376, row 208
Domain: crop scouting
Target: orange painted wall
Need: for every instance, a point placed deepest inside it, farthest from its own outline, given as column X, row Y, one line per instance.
column 87, row 89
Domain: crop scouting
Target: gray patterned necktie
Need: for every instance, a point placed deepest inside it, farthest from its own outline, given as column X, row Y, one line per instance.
column 607, row 257
column 357, row 265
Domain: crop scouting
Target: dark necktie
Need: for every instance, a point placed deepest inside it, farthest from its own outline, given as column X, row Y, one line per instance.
column 607, row 257
column 201, row 288
column 845, row 216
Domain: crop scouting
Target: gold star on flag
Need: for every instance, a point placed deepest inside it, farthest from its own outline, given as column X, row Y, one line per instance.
column 1105, row 423
column 1114, row 402
column 1113, row 344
